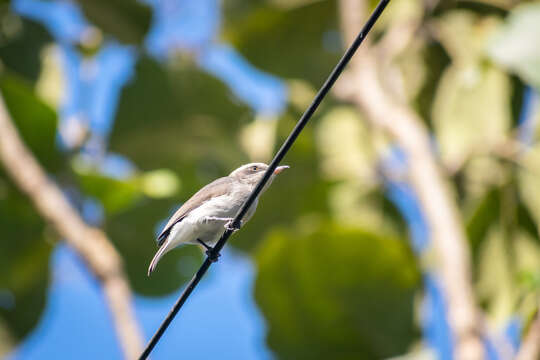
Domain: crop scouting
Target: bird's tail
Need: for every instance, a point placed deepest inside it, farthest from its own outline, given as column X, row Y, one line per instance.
column 162, row 250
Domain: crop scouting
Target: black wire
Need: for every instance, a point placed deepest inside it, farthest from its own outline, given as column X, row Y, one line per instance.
column 275, row 162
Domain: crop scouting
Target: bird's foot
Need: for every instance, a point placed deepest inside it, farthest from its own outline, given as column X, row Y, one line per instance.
column 230, row 226
column 213, row 256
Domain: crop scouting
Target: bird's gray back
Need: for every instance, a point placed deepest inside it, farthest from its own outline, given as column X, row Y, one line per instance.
column 216, row 188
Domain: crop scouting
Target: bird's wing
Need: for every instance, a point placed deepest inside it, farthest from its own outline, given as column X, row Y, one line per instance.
column 216, row 188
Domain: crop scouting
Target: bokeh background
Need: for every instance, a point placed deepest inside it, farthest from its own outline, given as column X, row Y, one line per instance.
column 131, row 106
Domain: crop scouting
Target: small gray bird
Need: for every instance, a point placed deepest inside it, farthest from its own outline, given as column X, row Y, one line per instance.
column 205, row 216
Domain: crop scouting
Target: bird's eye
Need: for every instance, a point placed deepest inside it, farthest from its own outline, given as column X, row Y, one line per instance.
column 254, row 168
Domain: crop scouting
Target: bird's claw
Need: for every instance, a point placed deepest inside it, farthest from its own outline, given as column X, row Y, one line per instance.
column 230, row 226
column 213, row 256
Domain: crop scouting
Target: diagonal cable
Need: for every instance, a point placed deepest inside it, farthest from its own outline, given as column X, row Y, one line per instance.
column 275, row 162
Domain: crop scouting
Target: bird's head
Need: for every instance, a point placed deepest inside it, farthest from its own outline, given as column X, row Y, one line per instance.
column 252, row 173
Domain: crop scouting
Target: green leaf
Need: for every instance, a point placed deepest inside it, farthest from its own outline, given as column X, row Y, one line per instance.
column 471, row 110
column 299, row 42
column 35, row 121
column 501, row 205
column 529, row 189
column 346, row 145
column 21, row 46
column 485, row 214
column 24, row 257
column 336, row 291
column 194, row 121
column 496, row 285
column 435, row 60
column 526, row 221
column 115, row 195
column 128, row 21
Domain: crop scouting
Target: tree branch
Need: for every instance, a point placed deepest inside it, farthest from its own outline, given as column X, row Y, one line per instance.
column 90, row 243
column 363, row 86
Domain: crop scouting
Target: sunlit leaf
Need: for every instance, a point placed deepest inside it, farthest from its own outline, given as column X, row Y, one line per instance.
column 346, row 146
column 508, row 274
column 512, row 46
column 159, row 183
column 529, row 187
column 471, row 110
column 496, row 287
column 259, row 138
column 51, row 85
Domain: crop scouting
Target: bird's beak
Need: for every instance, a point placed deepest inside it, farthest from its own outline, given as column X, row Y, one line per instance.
column 280, row 169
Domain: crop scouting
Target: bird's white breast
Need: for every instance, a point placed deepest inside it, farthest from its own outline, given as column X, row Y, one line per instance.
column 196, row 226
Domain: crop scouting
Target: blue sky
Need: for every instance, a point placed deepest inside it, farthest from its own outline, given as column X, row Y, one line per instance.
column 219, row 320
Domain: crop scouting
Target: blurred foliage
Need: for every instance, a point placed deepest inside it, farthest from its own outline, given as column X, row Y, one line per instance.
column 25, row 245
column 176, row 111
column 523, row 23
column 472, row 95
column 117, row 195
column 21, row 42
column 336, row 292
column 24, row 257
column 35, row 120
column 334, row 272
column 128, row 21
column 280, row 39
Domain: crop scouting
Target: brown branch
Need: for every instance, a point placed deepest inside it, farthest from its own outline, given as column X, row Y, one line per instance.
column 363, row 86
column 530, row 347
column 90, row 243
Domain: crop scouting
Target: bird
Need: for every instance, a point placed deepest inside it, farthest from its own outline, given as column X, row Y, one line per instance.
column 209, row 212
